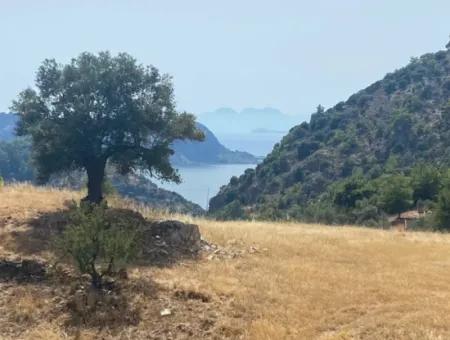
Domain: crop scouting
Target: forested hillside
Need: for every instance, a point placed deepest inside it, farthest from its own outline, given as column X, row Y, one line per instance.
column 380, row 132
column 209, row 151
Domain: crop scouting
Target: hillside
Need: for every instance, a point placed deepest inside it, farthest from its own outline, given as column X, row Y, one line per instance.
column 268, row 281
column 388, row 127
column 209, row 151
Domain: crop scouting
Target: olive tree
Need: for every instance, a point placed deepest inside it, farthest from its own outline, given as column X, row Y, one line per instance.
column 100, row 109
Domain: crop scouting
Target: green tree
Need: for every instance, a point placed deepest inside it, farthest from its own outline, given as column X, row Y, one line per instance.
column 425, row 182
column 395, row 194
column 15, row 160
column 402, row 134
column 442, row 214
column 446, row 115
column 320, row 109
column 101, row 109
column 99, row 241
column 391, row 165
column 347, row 192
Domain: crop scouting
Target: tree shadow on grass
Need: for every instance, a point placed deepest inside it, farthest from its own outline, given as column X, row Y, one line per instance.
column 35, row 235
column 161, row 243
column 23, row 270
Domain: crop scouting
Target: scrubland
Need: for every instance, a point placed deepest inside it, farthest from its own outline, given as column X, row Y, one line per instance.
column 271, row 281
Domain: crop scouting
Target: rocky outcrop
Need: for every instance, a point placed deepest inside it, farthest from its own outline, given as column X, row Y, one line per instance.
column 166, row 241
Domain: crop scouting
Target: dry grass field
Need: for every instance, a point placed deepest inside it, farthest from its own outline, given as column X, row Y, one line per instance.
column 278, row 281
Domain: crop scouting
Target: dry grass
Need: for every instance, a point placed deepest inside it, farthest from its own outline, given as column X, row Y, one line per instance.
column 298, row 281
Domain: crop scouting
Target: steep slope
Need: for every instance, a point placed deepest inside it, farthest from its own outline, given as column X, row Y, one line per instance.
column 209, row 151
column 403, row 117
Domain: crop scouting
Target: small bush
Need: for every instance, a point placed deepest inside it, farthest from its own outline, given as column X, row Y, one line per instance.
column 1, row 182
column 443, row 210
column 424, row 223
column 99, row 242
column 232, row 211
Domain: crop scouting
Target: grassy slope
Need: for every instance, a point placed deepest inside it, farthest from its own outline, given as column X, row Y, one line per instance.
column 292, row 281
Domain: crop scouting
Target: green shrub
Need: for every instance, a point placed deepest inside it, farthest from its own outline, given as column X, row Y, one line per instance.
column 424, row 223
column 1, row 182
column 425, row 182
column 108, row 188
column 232, row 211
column 396, row 194
column 99, row 242
column 443, row 210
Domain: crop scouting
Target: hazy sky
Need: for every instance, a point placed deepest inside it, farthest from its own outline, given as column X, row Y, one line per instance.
column 291, row 55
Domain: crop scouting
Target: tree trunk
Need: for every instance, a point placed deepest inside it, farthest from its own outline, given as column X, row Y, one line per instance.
column 96, row 174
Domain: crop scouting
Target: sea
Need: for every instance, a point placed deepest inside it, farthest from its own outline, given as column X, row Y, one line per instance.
column 201, row 182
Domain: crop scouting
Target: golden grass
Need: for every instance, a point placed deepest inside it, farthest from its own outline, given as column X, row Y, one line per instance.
column 300, row 281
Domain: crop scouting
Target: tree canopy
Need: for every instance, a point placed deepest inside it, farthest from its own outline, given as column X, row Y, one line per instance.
column 98, row 109
column 396, row 194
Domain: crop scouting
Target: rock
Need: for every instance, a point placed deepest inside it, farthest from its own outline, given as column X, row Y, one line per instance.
column 165, row 312
column 166, row 241
column 253, row 250
column 178, row 234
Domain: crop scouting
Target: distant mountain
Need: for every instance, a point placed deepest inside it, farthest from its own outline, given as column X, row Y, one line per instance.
column 229, row 121
column 252, row 130
column 209, row 151
column 388, row 127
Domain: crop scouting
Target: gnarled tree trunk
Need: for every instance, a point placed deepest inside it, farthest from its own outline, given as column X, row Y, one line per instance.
column 96, row 175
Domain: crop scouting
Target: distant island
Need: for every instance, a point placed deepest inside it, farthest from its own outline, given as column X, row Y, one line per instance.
column 255, row 130
column 256, row 120
column 264, row 130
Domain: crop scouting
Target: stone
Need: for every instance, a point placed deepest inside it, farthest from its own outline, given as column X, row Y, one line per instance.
column 165, row 312
column 178, row 234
